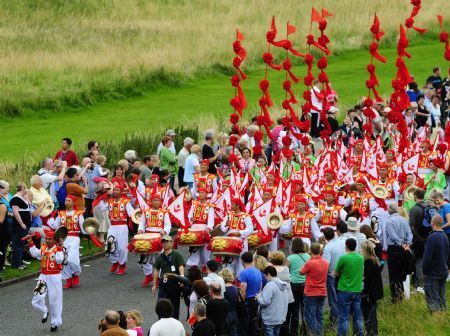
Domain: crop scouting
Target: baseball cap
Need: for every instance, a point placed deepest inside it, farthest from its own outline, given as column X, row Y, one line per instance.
column 166, row 237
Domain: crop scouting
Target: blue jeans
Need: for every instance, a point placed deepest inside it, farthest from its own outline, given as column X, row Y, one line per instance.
column 272, row 330
column 232, row 323
column 332, row 298
column 435, row 293
column 348, row 301
column 314, row 314
column 18, row 246
column 190, row 185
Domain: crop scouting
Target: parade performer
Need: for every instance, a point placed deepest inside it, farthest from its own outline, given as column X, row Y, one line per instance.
column 424, row 158
column 361, row 201
column 237, row 223
column 392, row 164
column 330, row 213
column 204, row 180
column 117, row 238
column 201, row 217
column 290, row 167
column 154, row 219
column 303, row 223
column 329, row 183
column 390, row 184
column 73, row 220
column 49, row 282
column 152, row 187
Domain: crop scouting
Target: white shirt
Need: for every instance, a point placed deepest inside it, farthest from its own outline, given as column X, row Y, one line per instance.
column 182, row 156
column 189, row 167
column 214, row 277
column 167, row 327
column 250, row 140
column 47, row 177
column 315, row 101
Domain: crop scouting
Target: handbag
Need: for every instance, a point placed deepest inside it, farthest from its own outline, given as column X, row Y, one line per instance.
column 241, row 309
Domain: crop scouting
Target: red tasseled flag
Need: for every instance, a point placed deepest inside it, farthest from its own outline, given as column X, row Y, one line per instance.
column 375, row 29
column 441, row 21
column 268, row 59
column 287, row 65
column 315, row 15
column 403, row 43
column 310, row 40
column 373, row 49
column 264, row 86
column 291, row 29
column 326, row 13
column 239, row 35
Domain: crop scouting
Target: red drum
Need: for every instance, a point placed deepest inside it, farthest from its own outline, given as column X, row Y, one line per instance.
column 192, row 237
column 258, row 239
column 146, row 243
column 228, row 246
column 286, row 236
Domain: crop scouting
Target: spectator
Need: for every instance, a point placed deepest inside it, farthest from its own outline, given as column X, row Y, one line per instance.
column 111, row 322
column 435, row 267
column 435, row 109
column 435, row 78
column 231, row 295
column 422, row 116
column 134, row 321
column 203, row 326
column 413, row 91
column 208, row 152
column 350, row 269
column 217, row 308
column 169, row 261
column 200, row 291
column 333, row 250
column 419, row 232
column 168, row 159
column 398, row 239
column 172, row 135
column 261, row 264
column 372, row 290
column 211, row 269
column 186, row 284
column 353, row 231
column 331, row 117
column 274, row 301
column 66, row 154
column 91, row 145
column 192, row 166
column 21, row 224
column 248, row 136
column 150, row 167
column 92, row 172
column 167, row 325
column 246, row 163
column 316, row 270
column 296, row 261
column 4, row 231
column 38, row 193
column 444, row 210
column 278, row 260
column 74, row 188
column 346, row 130
column 251, row 283
column 182, row 156
column 373, row 240
column 36, row 221
column 47, row 173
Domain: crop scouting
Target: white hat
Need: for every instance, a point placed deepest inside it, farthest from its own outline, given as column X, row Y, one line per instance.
column 352, row 223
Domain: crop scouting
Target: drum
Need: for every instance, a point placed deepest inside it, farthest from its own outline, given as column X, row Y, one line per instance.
column 192, row 237
column 286, row 236
column 227, row 246
column 146, row 243
column 258, row 239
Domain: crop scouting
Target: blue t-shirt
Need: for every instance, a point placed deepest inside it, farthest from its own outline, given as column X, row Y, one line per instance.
column 251, row 276
column 444, row 210
column 36, row 221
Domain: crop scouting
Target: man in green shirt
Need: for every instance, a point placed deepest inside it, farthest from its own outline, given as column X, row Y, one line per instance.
column 169, row 261
column 350, row 270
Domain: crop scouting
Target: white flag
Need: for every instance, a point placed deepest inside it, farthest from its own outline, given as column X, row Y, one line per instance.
column 411, row 165
column 260, row 214
column 176, row 208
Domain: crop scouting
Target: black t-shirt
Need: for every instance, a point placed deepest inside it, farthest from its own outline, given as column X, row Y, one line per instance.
column 231, row 295
column 204, row 328
column 217, row 311
column 207, row 153
column 421, row 120
column 169, row 264
column 24, row 211
column 436, row 80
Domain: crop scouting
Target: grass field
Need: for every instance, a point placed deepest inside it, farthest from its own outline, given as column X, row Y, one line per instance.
column 58, row 54
column 203, row 102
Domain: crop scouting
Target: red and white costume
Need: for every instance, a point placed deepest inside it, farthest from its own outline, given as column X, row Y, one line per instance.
column 154, row 220
column 233, row 223
column 201, row 217
column 73, row 221
column 49, row 282
column 303, row 226
column 329, row 216
column 207, row 182
column 119, row 211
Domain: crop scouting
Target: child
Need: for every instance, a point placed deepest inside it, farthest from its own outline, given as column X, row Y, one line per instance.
column 101, row 161
column 134, row 321
column 164, row 177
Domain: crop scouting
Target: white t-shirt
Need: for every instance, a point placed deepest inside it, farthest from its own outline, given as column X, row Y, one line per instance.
column 182, row 156
column 214, row 277
column 167, row 327
column 189, row 167
column 46, row 177
column 315, row 101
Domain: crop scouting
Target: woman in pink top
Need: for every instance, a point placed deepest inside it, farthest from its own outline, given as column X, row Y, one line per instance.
column 134, row 321
column 246, row 163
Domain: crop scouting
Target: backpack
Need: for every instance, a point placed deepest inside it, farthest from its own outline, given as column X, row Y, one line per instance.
column 62, row 193
column 428, row 213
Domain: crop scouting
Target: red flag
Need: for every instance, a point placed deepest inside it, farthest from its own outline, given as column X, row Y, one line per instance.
column 326, row 13
column 291, row 29
column 273, row 26
column 176, row 209
column 315, row 15
column 441, row 21
column 239, row 35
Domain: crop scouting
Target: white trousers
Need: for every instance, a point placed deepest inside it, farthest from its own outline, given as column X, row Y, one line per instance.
column 72, row 245
column 148, row 266
column 199, row 257
column 120, row 235
column 51, row 285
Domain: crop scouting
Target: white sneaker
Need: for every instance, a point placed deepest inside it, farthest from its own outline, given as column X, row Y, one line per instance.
column 26, row 262
column 420, row 290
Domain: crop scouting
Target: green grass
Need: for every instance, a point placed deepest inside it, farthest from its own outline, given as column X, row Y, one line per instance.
column 11, row 273
column 196, row 102
column 411, row 317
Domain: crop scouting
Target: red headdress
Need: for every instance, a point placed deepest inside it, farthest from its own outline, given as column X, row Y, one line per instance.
column 155, row 177
column 205, row 162
column 50, row 234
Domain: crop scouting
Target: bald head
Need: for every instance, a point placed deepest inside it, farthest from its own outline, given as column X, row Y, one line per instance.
column 112, row 317
column 437, row 221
